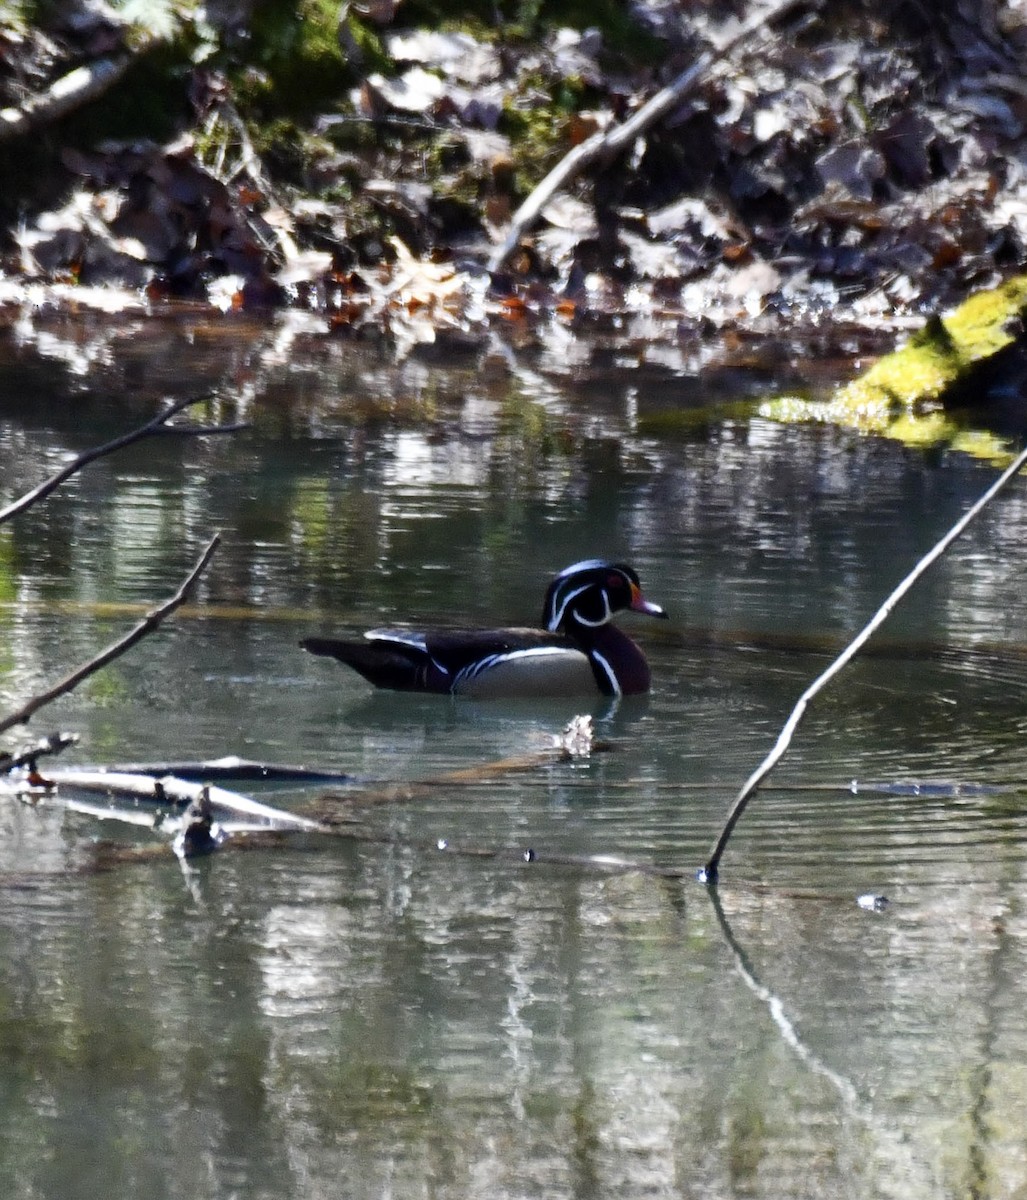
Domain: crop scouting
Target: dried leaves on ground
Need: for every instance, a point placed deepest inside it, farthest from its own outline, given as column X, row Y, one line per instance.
column 859, row 161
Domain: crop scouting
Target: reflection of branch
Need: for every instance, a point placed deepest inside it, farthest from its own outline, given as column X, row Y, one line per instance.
column 156, row 426
column 708, row 873
column 846, row 1089
column 148, row 624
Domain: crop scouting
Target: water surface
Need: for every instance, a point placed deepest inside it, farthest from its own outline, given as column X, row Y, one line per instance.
column 378, row 1018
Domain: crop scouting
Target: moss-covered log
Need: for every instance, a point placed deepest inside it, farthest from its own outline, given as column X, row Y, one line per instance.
column 917, row 394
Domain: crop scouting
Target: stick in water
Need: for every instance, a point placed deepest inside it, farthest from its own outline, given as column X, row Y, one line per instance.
column 147, row 625
column 156, row 426
column 708, row 873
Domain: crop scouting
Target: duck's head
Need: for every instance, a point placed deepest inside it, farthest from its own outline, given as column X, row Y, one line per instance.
column 589, row 593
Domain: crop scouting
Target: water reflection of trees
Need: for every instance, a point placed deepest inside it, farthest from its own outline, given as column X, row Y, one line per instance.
column 443, row 1027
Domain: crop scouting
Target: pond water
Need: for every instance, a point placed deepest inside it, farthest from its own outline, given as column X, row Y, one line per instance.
column 371, row 1017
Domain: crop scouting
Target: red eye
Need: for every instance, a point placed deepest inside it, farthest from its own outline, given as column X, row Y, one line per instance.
column 613, row 581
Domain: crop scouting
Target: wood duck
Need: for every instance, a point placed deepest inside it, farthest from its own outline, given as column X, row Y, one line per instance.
column 577, row 650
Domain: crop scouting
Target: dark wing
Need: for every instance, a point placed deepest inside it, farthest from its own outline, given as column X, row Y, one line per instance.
column 427, row 662
column 400, row 663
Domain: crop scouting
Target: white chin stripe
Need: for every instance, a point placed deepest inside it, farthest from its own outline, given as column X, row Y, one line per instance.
column 558, row 617
column 603, row 619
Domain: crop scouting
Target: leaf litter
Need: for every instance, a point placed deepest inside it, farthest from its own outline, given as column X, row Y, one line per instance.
column 857, row 167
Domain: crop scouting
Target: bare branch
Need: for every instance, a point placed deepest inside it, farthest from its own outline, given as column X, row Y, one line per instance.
column 156, row 426
column 708, row 873
column 171, row 791
column 149, row 623
column 71, row 91
column 602, row 147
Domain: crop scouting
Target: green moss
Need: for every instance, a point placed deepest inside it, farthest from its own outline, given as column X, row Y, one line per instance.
column 538, row 130
column 691, row 421
column 980, row 327
column 923, row 432
column 902, row 395
column 980, row 443
column 295, row 65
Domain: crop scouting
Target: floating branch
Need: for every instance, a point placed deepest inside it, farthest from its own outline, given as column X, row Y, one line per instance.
column 172, row 792
column 708, row 873
column 55, row 743
column 149, row 623
column 602, row 147
column 575, row 741
column 157, row 426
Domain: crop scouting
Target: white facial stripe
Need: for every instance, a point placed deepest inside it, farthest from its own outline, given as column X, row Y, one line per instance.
column 559, row 615
column 556, row 620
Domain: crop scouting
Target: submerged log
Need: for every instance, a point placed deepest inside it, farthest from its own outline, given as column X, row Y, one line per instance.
column 231, row 767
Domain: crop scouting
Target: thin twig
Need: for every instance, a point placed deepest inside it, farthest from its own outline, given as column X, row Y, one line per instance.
column 608, row 144
column 201, row 430
column 156, row 426
column 149, row 623
column 708, row 873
